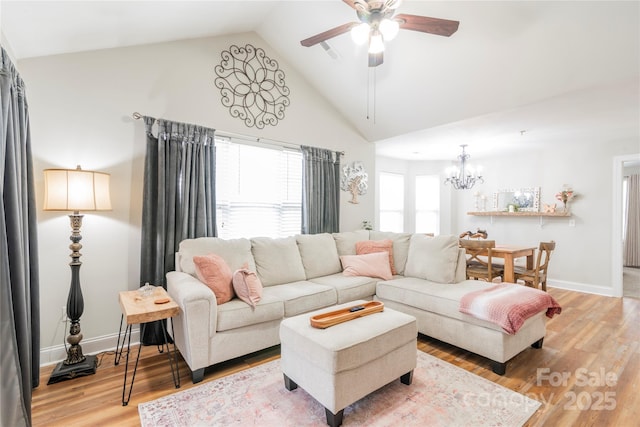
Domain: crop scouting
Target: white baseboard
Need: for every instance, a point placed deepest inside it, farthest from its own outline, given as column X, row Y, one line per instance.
column 57, row 353
column 581, row 287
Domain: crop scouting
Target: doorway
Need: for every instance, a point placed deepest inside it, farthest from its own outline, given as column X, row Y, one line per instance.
column 621, row 164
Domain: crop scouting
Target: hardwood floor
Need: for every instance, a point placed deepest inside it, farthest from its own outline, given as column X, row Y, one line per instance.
column 587, row 372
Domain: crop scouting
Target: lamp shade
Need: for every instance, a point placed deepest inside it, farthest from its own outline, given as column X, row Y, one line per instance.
column 76, row 190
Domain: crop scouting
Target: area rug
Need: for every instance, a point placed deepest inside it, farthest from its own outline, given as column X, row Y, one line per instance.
column 441, row 394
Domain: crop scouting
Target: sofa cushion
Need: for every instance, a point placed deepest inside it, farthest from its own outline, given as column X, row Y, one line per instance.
column 349, row 288
column 400, row 247
column 439, row 298
column 433, row 258
column 277, row 260
column 371, row 265
column 247, row 286
column 236, row 252
column 303, row 296
column 214, row 272
column 319, row 254
column 346, row 241
column 371, row 246
column 237, row 314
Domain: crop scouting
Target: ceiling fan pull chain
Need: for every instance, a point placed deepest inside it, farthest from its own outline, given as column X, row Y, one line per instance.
column 374, row 96
column 371, row 100
column 368, row 90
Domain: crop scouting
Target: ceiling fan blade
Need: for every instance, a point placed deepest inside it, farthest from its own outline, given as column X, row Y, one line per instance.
column 326, row 35
column 376, row 59
column 441, row 27
column 392, row 4
column 351, row 3
column 360, row 5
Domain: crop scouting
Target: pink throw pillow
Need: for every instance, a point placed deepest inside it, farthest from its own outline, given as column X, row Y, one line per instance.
column 375, row 264
column 214, row 272
column 371, row 246
column 247, row 286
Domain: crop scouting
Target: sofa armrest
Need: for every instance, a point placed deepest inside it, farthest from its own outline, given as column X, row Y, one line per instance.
column 196, row 323
column 461, row 267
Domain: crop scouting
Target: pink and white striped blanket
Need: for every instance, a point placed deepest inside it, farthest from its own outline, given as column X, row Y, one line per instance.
column 508, row 305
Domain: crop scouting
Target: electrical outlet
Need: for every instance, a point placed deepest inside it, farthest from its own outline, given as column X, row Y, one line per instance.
column 63, row 315
column 572, row 223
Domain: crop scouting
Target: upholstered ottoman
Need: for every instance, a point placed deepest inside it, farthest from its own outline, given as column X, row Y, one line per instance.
column 343, row 363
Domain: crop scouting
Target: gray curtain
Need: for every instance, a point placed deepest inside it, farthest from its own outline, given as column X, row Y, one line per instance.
column 178, row 198
column 320, row 190
column 20, row 311
column 632, row 231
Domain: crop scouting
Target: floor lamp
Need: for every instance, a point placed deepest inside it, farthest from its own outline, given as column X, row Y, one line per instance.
column 75, row 190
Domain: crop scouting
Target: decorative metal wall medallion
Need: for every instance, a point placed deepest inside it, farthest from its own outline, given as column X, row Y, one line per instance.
column 252, row 86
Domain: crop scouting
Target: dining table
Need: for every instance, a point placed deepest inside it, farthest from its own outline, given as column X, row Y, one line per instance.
column 510, row 253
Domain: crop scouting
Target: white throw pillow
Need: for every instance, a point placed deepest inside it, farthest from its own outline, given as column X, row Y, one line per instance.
column 433, row 258
column 278, row 261
column 400, row 247
column 346, row 241
column 319, row 254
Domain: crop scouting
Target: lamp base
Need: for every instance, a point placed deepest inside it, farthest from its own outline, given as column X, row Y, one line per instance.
column 64, row 372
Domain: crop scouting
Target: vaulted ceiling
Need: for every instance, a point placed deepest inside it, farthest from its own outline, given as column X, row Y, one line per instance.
column 555, row 70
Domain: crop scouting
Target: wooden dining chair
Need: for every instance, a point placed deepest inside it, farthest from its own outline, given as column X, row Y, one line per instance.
column 479, row 265
column 538, row 275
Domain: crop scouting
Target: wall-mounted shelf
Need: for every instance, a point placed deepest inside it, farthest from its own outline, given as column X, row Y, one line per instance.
column 520, row 213
column 540, row 215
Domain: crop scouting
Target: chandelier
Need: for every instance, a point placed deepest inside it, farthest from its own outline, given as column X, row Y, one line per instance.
column 463, row 176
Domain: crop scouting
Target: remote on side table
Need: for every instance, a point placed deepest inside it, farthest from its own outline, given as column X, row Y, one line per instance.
column 138, row 307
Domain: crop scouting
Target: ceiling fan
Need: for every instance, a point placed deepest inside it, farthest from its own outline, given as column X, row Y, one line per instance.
column 378, row 23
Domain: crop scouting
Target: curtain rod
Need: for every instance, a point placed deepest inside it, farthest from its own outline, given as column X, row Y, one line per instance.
column 138, row 116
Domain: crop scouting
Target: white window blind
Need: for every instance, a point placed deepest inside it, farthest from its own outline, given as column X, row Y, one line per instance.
column 428, row 204
column 258, row 190
column 391, row 202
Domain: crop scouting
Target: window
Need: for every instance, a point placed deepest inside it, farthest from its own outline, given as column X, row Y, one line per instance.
column 427, row 204
column 258, row 190
column 391, row 202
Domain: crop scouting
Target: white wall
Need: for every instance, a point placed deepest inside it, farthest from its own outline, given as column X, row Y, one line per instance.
column 582, row 259
column 7, row 46
column 631, row 170
column 80, row 113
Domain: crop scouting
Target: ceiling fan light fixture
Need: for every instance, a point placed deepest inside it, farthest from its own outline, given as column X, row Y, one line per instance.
column 376, row 43
column 389, row 28
column 377, row 24
column 360, row 33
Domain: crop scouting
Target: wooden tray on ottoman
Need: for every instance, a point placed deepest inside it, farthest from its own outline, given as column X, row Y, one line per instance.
column 331, row 318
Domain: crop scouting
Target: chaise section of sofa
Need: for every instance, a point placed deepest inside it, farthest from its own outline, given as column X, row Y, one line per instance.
column 436, row 309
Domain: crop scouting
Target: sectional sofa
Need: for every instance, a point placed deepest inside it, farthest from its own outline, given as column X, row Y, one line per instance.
column 303, row 273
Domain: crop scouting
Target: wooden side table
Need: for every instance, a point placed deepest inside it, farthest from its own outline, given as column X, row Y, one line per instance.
column 137, row 308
